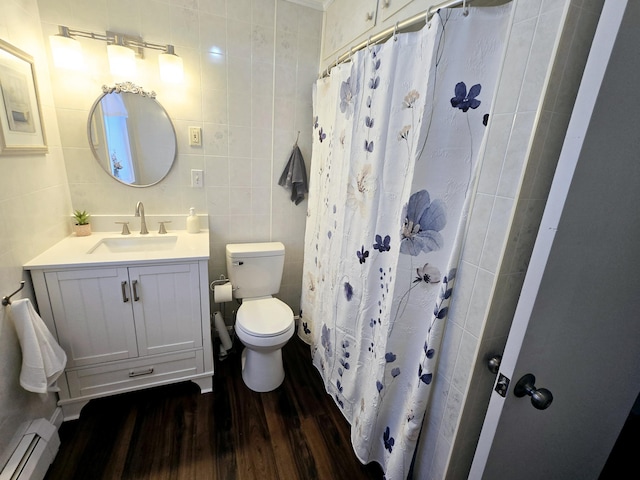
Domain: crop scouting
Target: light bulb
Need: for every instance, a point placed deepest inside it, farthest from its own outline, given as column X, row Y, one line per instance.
column 122, row 60
column 66, row 51
column 171, row 66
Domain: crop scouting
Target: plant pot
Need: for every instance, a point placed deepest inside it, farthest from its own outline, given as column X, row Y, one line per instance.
column 82, row 230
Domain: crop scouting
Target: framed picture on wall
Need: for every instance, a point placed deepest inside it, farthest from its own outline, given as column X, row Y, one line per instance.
column 21, row 126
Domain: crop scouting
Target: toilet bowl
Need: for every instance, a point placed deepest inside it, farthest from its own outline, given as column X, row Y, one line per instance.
column 264, row 323
column 263, row 326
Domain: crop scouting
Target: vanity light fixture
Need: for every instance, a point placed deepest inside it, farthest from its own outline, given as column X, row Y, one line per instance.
column 121, row 50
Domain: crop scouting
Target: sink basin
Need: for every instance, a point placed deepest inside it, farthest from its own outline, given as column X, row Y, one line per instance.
column 135, row 244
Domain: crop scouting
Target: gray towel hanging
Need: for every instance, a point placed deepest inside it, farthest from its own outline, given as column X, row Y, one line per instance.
column 294, row 176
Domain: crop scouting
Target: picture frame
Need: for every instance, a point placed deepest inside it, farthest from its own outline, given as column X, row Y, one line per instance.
column 21, row 124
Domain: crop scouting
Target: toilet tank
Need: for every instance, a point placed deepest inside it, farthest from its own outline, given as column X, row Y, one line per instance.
column 255, row 269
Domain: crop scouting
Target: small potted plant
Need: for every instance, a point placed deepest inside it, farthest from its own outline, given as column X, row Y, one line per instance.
column 82, row 227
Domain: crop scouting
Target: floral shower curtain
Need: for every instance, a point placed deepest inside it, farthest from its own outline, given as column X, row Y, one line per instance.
column 397, row 132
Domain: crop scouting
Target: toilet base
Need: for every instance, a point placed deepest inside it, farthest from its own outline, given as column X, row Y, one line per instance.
column 262, row 371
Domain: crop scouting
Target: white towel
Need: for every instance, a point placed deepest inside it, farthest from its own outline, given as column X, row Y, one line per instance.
column 43, row 360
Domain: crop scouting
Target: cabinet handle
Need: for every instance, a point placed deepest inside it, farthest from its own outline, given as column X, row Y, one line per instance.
column 123, row 285
column 133, row 373
column 134, row 284
column 369, row 16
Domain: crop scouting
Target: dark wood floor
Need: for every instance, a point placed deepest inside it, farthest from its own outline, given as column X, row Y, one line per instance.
column 174, row 432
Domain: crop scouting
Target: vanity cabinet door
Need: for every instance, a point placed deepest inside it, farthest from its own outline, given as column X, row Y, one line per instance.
column 167, row 310
column 93, row 316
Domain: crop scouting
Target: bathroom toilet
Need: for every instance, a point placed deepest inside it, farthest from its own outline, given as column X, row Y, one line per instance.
column 264, row 324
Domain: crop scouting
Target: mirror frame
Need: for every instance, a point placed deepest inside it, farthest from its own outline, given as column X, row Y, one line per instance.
column 129, row 87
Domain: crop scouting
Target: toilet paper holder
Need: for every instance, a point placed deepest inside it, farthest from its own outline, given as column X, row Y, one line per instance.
column 222, row 281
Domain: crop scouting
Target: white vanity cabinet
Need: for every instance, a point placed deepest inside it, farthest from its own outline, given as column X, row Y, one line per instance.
column 126, row 325
column 107, row 314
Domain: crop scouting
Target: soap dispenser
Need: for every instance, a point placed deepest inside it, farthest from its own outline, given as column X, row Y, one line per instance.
column 193, row 222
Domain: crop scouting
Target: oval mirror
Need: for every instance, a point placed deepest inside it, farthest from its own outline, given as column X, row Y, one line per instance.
column 131, row 135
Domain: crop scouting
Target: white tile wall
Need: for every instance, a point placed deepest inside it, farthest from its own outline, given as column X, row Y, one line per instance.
column 35, row 209
column 249, row 67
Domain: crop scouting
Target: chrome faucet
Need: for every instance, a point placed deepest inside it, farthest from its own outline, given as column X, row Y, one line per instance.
column 143, row 222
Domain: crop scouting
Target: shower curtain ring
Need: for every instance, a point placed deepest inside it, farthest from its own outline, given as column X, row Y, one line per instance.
column 368, row 42
column 395, row 33
column 465, row 8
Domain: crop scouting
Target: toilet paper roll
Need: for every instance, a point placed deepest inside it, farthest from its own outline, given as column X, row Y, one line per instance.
column 222, row 293
column 221, row 328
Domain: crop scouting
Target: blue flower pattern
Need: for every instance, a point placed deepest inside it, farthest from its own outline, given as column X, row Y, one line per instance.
column 440, row 312
column 388, row 440
column 344, row 365
column 348, row 291
column 347, row 97
column 382, row 245
column 389, row 357
column 421, row 226
column 463, row 100
column 362, row 255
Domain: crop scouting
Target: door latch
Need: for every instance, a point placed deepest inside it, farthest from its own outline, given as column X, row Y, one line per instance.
column 502, row 385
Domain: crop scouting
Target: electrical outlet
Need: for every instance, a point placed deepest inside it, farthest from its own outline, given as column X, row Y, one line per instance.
column 197, row 178
column 195, row 136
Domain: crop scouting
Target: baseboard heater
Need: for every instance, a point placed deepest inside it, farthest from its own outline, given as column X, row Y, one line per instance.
column 34, row 453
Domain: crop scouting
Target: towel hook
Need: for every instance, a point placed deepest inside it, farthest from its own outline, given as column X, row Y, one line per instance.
column 7, row 300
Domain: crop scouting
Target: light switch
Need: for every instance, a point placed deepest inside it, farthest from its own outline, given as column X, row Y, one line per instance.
column 195, row 136
column 197, row 178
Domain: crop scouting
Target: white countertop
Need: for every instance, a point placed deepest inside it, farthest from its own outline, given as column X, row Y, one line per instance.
column 73, row 251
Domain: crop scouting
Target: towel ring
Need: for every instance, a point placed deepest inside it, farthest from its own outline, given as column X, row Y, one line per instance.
column 7, row 300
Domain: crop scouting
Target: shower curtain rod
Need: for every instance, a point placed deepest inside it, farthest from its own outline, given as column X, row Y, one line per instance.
column 389, row 32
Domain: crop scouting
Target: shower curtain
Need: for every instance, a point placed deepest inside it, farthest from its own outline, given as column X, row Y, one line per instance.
column 397, row 132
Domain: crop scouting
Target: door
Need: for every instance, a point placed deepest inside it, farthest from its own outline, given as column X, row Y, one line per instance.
column 577, row 325
column 390, row 7
column 166, row 306
column 93, row 316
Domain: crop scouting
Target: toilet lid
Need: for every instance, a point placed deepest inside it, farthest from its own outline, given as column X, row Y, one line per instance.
column 264, row 317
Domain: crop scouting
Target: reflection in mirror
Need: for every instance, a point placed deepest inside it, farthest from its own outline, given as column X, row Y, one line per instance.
column 131, row 135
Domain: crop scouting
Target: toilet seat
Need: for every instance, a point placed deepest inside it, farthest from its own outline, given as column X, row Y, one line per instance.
column 264, row 317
